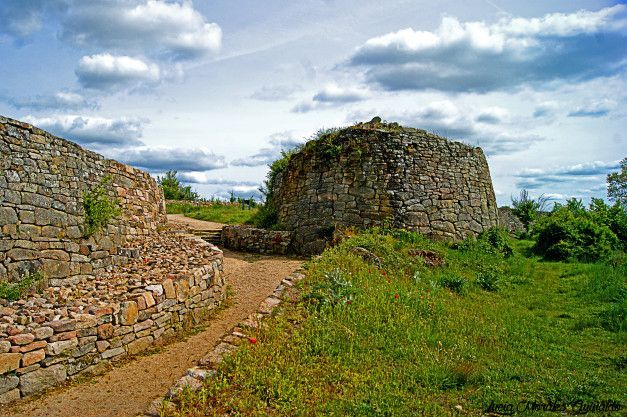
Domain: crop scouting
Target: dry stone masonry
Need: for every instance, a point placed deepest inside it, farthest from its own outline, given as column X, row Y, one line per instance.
column 374, row 172
column 42, row 180
column 251, row 239
column 105, row 297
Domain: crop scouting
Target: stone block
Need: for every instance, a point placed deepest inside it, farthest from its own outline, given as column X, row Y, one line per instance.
column 8, row 382
column 9, row 362
column 128, row 313
column 42, row 379
column 33, row 357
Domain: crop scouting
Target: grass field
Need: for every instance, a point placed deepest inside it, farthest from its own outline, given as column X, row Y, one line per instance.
column 484, row 330
column 219, row 212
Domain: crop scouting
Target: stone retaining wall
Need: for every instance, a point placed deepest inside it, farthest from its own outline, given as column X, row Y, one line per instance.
column 251, row 239
column 370, row 173
column 43, row 344
column 42, row 180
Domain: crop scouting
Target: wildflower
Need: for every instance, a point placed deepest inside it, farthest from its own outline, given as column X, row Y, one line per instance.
column 348, row 302
column 252, row 340
column 396, row 296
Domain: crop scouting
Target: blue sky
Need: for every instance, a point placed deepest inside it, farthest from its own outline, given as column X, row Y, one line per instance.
column 215, row 89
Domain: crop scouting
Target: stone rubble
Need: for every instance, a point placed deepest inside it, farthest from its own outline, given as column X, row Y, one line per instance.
column 49, row 337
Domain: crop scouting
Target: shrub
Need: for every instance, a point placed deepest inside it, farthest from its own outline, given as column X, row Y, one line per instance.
column 99, row 207
column 499, row 240
column 174, row 190
column 15, row 290
column 488, row 279
column 526, row 208
column 571, row 233
column 454, row 283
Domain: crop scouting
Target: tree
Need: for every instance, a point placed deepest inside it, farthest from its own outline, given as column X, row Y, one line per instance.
column 174, row 190
column 526, row 208
column 617, row 184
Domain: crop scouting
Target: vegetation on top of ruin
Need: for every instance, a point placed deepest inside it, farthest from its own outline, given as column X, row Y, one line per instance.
column 324, row 141
column 405, row 338
column 99, row 208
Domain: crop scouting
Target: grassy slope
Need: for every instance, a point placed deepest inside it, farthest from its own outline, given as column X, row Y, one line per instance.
column 541, row 336
column 220, row 213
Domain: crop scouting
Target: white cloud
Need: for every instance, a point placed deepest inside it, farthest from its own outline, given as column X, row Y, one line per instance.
column 477, row 57
column 332, row 95
column 277, row 93
column 62, row 100
column 596, row 108
column 173, row 29
column 206, row 178
column 546, row 109
column 106, row 71
column 279, row 142
column 590, row 172
column 92, row 131
column 161, row 159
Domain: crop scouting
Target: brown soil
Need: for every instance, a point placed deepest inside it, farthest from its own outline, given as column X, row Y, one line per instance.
column 129, row 389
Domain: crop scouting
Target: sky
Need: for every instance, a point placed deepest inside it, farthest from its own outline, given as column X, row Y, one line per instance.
column 216, row 89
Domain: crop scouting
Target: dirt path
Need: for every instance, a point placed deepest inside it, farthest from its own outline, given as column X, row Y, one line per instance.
column 129, row 389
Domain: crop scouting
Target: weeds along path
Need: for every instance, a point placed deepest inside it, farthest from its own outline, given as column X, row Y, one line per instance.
column 127, row 390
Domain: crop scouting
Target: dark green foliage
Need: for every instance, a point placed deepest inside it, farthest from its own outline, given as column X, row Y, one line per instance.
column 617, row 184
column 15, row 290
column 266, row 217
column 488, row 278
column 614, row 318
column 498, row 239
column 571, row 232
column 454, row 283
column 99, row 208
column 174, row 190
column 527, row 208
column 614, row 217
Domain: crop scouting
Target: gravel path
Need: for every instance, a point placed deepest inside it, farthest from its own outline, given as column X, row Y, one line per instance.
column 128, row 390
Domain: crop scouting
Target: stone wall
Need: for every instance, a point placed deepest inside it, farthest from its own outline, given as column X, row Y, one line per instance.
column 362, row 175
column 42, row 180
column 251, row 239
column 63, row 332
column 509, row 220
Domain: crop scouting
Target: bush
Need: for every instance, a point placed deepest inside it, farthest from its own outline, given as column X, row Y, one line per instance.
column 526, row 208
column 571, row 233
column 454, row 283
column 266, row 217
column 99, row 207
column 488, row 279
column 499, row 240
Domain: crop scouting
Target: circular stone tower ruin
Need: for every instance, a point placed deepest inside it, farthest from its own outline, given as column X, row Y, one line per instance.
column 375, row 172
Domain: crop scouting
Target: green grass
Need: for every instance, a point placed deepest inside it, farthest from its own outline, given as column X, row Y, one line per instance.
column 399, row 342
column 12, row 291
column 219, row 212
